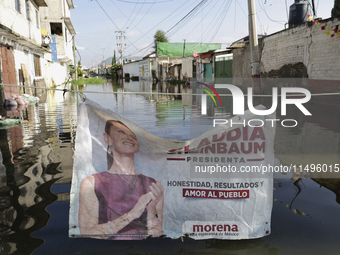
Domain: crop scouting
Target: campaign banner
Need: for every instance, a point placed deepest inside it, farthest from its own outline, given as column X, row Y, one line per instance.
column 129, row 184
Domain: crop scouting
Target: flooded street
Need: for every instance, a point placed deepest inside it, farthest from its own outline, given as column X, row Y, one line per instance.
column 36, row 174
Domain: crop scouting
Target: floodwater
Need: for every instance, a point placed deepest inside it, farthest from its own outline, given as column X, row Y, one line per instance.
column 36, row 171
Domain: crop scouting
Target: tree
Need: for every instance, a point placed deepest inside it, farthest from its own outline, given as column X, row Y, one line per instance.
column 336, row 9
column 114, row 61
column 114, row 69
column 160, row 37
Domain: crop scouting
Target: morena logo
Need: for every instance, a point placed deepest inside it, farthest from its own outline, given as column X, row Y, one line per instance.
column 238, row 99
column 214, row 228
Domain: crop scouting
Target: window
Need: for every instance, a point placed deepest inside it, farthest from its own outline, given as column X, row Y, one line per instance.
column 56, row 29
column 27, row 10
column 65, row 35
column 17, row 5
column 37, row 67
column 37, row 18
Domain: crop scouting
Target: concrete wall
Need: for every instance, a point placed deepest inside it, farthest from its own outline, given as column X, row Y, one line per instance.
column 306, row 44
column 56, row 10
column 187, row 68
column 131, row 68
column 136, row 68
column 18, row 22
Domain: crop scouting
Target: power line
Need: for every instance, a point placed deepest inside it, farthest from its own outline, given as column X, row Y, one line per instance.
column 130, row 14
column 156, row 26
column 145, row 2
column 193, row 10
column 136, row 14
column 224, row 14
column 143, row 16
column 187, row 20
column 128, row 19
column 201, row 21
column 113, row 22
column 208, row 29
column 265, row 12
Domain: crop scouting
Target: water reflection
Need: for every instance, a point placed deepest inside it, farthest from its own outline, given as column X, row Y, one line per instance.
column 35, row 156
column 36, row 171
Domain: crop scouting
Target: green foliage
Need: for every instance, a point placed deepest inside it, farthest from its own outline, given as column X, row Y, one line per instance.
column 160, row 37
column 79, row 71
column 336, row 9
column 177, row 82
column 115, row 67
column 94, row 81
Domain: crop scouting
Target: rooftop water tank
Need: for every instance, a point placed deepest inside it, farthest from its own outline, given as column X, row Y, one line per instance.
column 298, row 12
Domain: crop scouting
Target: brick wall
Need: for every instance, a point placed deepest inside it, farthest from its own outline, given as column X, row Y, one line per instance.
column 306, row 44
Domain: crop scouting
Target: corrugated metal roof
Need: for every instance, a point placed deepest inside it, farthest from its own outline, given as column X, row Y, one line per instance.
column 237, row 45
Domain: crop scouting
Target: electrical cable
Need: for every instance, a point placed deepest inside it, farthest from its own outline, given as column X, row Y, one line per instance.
column 158, row 93
column 199, row 23
column 131, row 13
column 265, row 12
column 186, row 21
column 143, row 16
column 189, row 13
column 209, row 28
column 222, row 19
column 146, row 2
column 136, row 15
column 113, row 22
column 156, row 26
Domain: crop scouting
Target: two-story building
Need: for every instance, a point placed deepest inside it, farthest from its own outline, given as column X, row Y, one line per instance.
column 20, row 43
column 35, row 44
column 56, row 22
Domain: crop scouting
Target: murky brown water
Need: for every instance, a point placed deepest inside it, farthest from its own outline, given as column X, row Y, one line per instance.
column 36, row 171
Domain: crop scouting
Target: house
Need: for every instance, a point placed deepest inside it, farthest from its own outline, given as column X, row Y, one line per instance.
column 36, row 45
column 20, row 43
column 56, row 21
column 178, row 60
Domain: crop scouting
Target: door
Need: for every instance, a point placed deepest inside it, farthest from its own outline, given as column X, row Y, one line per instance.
column 8, row 71
column 223, row 71
column 208, row 72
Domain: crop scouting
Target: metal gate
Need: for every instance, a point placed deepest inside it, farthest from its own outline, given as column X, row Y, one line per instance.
column 223, row 71
column 208, row 72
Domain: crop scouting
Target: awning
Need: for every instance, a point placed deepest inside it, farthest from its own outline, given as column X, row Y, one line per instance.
column 70, row 4
column 40, row 2
column 69, row 25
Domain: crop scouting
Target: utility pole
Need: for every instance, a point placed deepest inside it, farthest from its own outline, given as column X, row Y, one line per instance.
column 184, row 48
column 254, row 48
column 121, row 49
column 104, row 59
column 75, row 59
column 121, row 37
column 97, row 65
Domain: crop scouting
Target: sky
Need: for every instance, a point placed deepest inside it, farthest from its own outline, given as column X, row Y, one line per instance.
column 207, row 21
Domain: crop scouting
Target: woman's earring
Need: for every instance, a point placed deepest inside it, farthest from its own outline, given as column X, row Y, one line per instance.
column 109, row 150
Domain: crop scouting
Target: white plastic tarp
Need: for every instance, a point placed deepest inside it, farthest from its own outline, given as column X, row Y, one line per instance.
column 196, row 194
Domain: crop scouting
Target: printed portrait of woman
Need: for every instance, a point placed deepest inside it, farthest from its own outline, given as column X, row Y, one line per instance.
column 120, row 203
